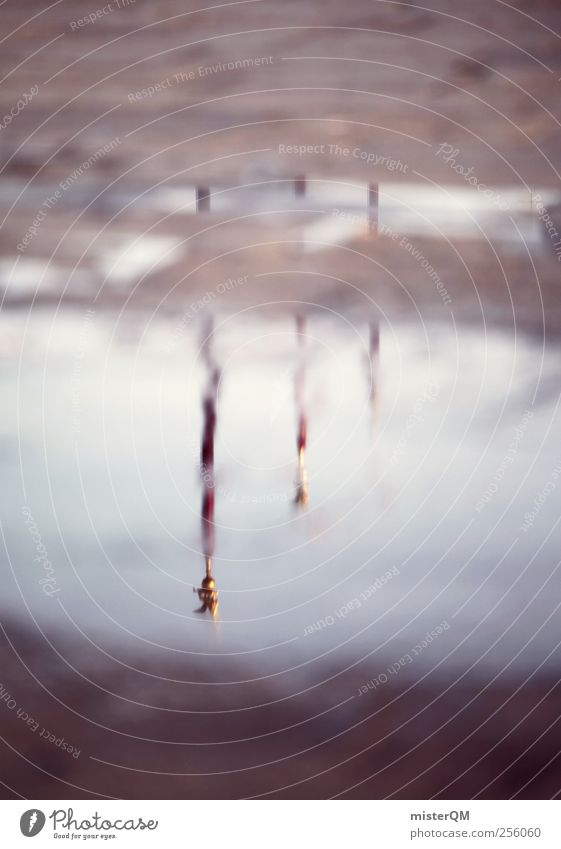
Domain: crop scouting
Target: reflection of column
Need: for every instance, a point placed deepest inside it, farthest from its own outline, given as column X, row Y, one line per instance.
column 207, row 592
column 373, row 204
column 302, row 427
column 208, row 595
column 203, row 199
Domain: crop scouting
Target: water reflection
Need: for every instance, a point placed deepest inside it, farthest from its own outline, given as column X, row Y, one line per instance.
column 203, row 199
column 207, row 592
column 404, row 498
column 373, row 362
column 345, row 208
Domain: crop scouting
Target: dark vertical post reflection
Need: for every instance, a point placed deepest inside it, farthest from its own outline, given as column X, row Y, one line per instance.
column 302, row 421
column 208, row 595
column 373, row 206
column 300, row 185
column 203, row 199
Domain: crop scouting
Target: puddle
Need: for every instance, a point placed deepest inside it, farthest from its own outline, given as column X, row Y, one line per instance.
column 227, row 489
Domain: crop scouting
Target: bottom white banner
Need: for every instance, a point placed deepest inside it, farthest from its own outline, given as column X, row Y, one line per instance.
column 282, row 823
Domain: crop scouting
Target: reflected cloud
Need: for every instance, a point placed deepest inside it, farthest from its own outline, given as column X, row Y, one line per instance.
column 207, row 592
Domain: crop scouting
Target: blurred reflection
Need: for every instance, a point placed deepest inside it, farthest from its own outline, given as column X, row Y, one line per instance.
column 302, row 427
column 207, row 592
column 373, row 360
column 203, row 199
column 300, row 185
column 373, row 207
